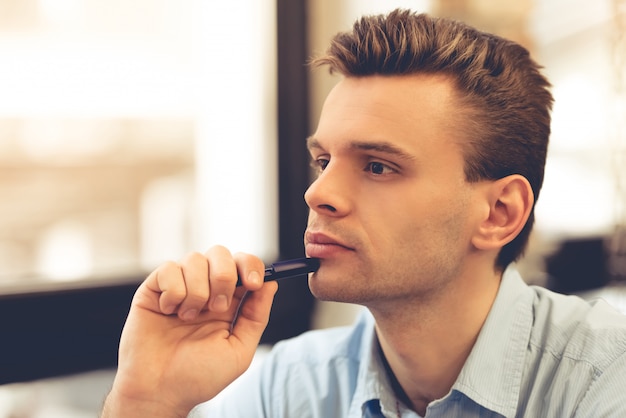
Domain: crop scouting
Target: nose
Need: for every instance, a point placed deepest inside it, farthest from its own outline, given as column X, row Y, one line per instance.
column 329, row 194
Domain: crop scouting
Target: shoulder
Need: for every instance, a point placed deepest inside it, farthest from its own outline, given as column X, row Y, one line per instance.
column 569, row 327
column 577, row 354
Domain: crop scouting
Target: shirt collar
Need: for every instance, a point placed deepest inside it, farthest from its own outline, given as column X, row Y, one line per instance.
column 492, row 373
column 373, row 381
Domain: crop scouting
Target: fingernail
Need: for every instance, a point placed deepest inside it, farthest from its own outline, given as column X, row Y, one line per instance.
column 254, row 278
column 190, row 314
column 220, row 303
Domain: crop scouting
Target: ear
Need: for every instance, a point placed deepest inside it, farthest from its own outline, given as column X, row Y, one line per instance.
column 510, row 203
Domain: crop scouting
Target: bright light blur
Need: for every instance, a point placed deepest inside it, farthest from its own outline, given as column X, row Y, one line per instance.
column 580, row 191
column 62, row 242
column 134, row 132
column 236, row 168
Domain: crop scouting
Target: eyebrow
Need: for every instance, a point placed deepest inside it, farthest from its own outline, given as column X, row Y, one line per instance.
column 378, row 146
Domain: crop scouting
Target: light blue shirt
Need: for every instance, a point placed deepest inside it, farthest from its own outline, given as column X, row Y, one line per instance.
column 539, row 354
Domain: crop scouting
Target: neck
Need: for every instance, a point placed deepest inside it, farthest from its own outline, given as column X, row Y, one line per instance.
column 426, row 342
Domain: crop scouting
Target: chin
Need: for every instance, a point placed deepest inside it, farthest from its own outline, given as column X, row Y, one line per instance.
column 341, row 280
column 335, row 289
column 323, row 287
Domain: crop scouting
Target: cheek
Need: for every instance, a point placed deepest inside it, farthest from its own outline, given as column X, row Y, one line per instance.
column 416, row 217
column 423, row 224
column 394, row 226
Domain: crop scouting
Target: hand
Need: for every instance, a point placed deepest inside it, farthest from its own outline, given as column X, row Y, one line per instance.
column 186, row 336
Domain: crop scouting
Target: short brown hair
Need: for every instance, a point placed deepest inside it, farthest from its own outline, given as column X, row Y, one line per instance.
column 503, row 96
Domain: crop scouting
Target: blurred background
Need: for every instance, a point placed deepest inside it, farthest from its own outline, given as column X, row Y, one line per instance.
column 132, row 133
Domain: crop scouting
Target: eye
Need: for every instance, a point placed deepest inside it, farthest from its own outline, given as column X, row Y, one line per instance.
column 379, row 168
column 320, row 164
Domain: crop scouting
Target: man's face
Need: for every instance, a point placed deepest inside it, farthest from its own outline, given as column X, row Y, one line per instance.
column 391, row 215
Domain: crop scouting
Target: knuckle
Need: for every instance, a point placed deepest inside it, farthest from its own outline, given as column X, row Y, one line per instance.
column 195, row 258
column 169, row 278
column 218, row 250
column 169, row 267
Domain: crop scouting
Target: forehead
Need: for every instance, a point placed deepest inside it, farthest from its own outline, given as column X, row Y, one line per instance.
column 403, row 111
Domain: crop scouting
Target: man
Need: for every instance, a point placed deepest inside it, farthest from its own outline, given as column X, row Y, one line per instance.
column 430, row 154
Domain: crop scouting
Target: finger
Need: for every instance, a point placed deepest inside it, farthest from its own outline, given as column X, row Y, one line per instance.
column 195, row 269
column 167, row 283
column 222, row 278
column 254, row 314
column 251, row 270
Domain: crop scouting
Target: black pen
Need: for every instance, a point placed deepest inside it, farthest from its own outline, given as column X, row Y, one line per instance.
column 289, row 268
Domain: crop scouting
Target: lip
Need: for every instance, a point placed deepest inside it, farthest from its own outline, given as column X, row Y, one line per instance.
column 322, row 245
